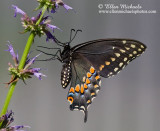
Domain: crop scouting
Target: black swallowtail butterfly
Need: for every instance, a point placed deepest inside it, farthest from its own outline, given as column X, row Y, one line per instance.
column 86, row 63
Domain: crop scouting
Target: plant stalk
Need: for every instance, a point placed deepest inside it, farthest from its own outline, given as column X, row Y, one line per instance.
column 21, row 65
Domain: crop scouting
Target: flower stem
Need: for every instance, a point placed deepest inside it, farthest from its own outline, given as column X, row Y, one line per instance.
column 26, row 50
column 8, row 98
column 21, row 65
column 43, row 11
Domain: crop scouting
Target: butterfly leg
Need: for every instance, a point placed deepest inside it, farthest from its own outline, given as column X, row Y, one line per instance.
column 48, row 47
column 54, row 56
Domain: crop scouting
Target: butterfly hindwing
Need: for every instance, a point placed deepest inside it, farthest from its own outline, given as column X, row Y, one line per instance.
column 85, row 84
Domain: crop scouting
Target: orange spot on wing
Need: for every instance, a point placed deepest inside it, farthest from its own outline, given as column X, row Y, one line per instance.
column 77, row 88
column 71, row 90
column 84, row 79
column 107, row 63
column 89, row 101
column 101, row 67
column 85, row 86
column 82, row 89
column 92, row 94
column 87, row 81
column 92, row 70
column 113, row 59
column 95, row 86
column 70, row 99
column 88, row 74
column 97, row 77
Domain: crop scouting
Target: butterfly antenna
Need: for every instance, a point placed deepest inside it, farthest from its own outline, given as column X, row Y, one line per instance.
column 71, row 33
column 75, row 35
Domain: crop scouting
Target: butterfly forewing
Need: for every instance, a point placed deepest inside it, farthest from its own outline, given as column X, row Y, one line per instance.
column 109, row 56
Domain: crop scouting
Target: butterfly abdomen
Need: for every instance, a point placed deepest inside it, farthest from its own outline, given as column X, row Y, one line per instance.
column 66, row 75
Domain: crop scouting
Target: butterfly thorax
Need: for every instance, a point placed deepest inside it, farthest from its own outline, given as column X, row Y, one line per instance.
column 66, row 56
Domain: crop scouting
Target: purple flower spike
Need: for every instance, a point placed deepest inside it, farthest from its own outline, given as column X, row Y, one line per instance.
column 7, row 119
column 53, row 11
column 17, row 56
column 24, row 73
column 36, row 73
column 18, row 10
column 49, row 36
column 44, row 19
column 53, row 27
column 67, row 7
column 18, row 127
column 36, row 70
column 32, row 60
column 33, row 19
column 39, row 75
column 11, row 50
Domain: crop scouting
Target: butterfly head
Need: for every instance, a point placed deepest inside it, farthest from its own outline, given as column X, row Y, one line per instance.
column 66, row 53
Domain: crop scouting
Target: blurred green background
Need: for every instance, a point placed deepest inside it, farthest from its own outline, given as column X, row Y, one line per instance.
column 129, row 101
